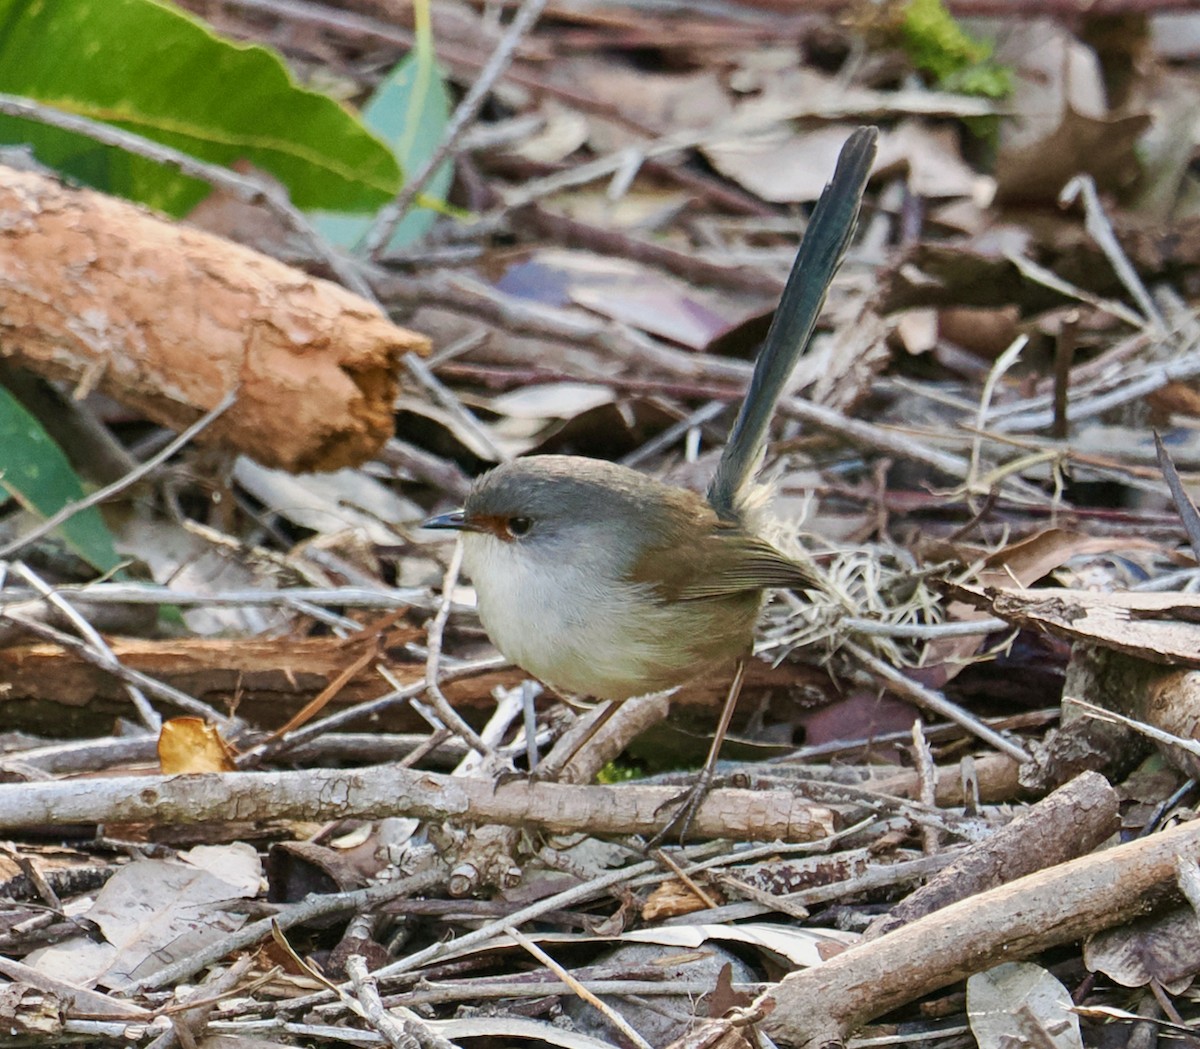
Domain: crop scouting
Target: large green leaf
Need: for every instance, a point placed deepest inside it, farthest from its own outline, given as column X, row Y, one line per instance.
column 36, row 473
column 410, row 111
column 152, row 69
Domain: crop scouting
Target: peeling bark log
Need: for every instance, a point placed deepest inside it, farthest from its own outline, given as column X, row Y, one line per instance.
column 168, row 319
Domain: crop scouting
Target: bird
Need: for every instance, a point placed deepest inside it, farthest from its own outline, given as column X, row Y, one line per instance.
column 601, row 581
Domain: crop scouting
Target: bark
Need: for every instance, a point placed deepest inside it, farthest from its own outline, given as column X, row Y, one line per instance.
column 168, row 319
column 384, row 790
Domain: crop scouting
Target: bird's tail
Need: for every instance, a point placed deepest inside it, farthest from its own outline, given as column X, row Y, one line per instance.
column 820, row 254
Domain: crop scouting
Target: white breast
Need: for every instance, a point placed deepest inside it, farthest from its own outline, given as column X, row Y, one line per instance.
column 544, row 611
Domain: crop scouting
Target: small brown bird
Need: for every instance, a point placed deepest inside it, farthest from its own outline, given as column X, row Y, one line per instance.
column 603, row 582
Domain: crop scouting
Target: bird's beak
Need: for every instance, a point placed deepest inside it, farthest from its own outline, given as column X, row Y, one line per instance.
column 456, row 521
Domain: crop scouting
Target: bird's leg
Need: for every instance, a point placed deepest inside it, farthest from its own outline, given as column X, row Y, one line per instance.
column 691, row 799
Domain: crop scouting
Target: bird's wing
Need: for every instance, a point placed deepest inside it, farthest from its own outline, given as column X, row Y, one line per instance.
column 731, row 563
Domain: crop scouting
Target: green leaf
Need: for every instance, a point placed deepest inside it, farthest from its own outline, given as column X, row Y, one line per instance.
column 150, row 68
column 36, row 473
column 410, row 111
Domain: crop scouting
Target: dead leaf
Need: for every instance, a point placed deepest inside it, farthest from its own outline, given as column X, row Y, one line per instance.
column 1163, row 948
column 800, row 946
column 673, row 898
column 1160, row 628
column 329, row 502
column 153, row 912
column 625, row 291
column 562, row 133
column 1019, row 1003
column 1061, row 125
column 787, row 167
column 189, row 745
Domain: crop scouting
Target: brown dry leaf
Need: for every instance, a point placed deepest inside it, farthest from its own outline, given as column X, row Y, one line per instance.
column 1104, row 149
column 1160, row 628
column 723, row 997
column 1062, row 125
column 778, row 164
column 190, row 745
column 986, row 332
column 563, row 132
column 974, row 273
column 673, row 898
column 1164, row 948
column 786, row 167
column 624, row 291
column 1022, row 563
column 1032, row 558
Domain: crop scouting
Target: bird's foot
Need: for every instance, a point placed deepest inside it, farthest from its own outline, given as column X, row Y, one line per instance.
column 688, row 803
column 513, row 775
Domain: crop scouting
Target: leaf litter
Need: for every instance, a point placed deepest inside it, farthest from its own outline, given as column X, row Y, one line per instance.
column 967, row 458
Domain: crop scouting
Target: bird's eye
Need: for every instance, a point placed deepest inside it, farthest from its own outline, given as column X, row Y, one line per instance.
column 518, row 526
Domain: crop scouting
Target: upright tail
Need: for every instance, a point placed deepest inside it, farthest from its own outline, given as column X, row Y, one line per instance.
column 820, row 254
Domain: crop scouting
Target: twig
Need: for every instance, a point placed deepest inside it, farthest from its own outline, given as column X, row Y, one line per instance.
column 109, row 490
column 688, row 265
column 386, row 790
column 472, row 297
column 1064, row 357
column 1183, row 502
column 1097, row 224
column 145, row 711
column 588, row 890
column 440, row 394
column 154, row 594
column 402, row 1028
column 749, row 121
column 390, row 215
column 1015, row 921
column 605, row 1010
column 490, row 987
column 105, row 660
column 1070, row 822
column 890, row 439
column 1191, row 746
column 1049, row 279
column 311, row 907
column 693, row 886
column 1126, row 386
column 1005, row 361
column 450, row 717
column 318, row 703
column 936, row 702
column 660, row 442
column 926, row 784
column 260, row 754
column 189, row 1017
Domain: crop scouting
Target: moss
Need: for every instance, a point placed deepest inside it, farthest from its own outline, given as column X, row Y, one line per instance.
column 955, row 61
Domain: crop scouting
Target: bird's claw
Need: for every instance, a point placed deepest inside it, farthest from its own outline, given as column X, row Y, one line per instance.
column 511, row 775
column 680, row 823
